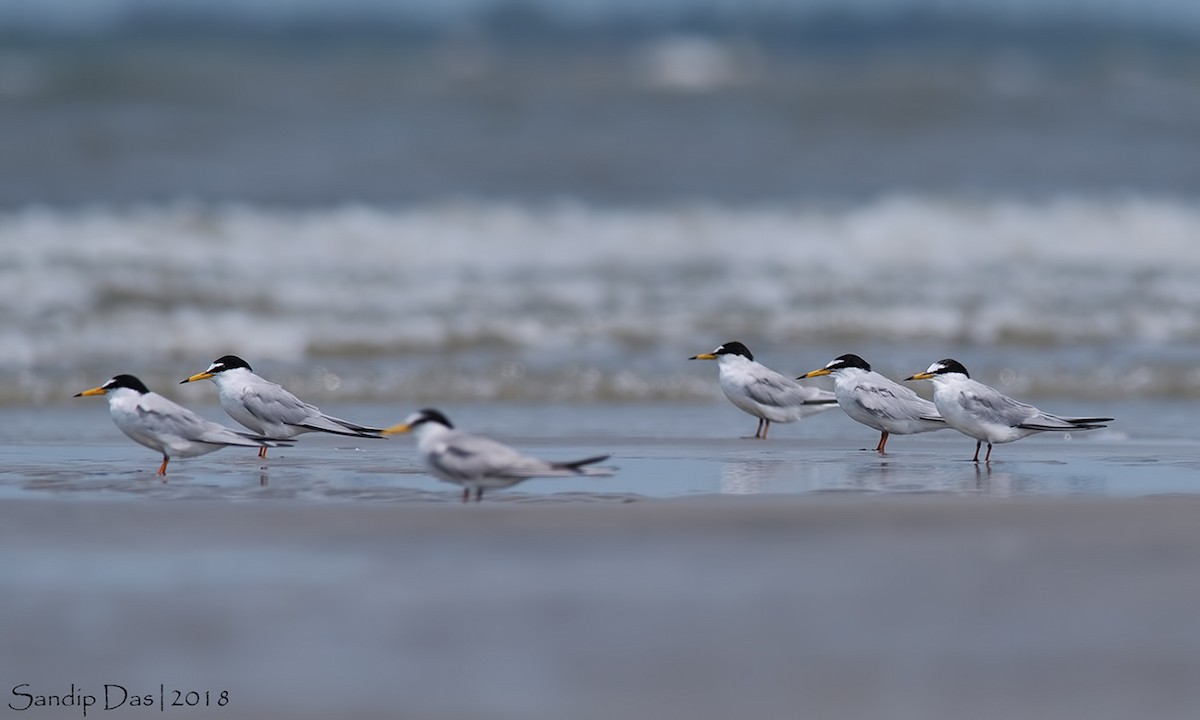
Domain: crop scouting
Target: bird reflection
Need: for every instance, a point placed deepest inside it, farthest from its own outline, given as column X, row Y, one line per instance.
column 746, row 477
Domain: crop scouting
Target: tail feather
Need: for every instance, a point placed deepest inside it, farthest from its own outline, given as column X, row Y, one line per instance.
column 359, row 429
column 577, row 464
column 1078, row 424
column 268, row 441
column 351, row 431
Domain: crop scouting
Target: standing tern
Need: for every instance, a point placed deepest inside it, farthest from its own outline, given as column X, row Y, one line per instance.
column 268, row 409
column 877, row 402
column 478, row 463
column 154, row 421
column 760, row 391
column 984, row 413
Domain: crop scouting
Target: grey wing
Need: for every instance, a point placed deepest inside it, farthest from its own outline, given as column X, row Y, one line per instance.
column 888, row 403
column 776, row 390
column 168, row 418
column 465, row 456
column 1045, row 421
column 994, row 407
column 272, row 404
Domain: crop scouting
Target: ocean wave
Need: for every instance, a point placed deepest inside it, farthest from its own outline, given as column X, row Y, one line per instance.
column 604, row 290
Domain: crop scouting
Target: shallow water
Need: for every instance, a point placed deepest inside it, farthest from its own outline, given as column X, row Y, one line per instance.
column 531, row 226
column 659, row 452
column 710, row 575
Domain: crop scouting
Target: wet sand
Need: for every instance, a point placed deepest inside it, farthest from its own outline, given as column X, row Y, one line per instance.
column 659, row 452
column 711, row 577
column 916, row 606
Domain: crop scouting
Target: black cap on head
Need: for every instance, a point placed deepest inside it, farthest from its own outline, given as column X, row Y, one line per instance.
column 849, row 360
column 734, row 348
column 126, row 381
column 429, row 415
column 228, row 362
column 947, row 366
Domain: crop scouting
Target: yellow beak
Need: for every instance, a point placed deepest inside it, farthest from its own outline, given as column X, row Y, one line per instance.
column 920, row 376
column 703, row 356
column 93, row 391
column 197, row 376
column 397, row 429
column 814, row 373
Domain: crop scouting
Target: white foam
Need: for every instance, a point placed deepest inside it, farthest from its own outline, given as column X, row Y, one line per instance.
column 108, row 287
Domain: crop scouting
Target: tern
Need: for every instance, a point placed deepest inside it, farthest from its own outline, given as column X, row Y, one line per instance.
column 478, row 463
column 154, row 421
column 268, row 409
column 760, row 391
column 984, row 413
column 877, row 402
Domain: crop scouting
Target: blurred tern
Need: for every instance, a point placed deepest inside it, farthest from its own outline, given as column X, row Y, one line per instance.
column 478, row 463
column 984, row 413
column 267, row 408
column 877, row 402
column 760, row 391
column 154, row 421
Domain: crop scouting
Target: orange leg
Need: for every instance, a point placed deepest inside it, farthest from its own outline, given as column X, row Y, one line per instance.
column 978, row 444
column 262, row 451
column 988, row 458
column 881, row 448
column 162, row 469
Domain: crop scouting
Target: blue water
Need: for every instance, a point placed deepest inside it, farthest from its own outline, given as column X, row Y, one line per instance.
column 102, row 15
column 530, row 214
column 658, row 451
column 560, row 202
column 571, row 303
column 627, row 103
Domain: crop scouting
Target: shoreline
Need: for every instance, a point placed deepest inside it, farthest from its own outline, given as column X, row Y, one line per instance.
column 917, row 606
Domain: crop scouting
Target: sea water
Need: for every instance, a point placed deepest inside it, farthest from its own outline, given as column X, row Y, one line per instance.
column 530, row 215
column 1083, row 298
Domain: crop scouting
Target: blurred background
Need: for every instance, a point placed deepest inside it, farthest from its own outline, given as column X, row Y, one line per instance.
column 560, row 201
column 521, row 207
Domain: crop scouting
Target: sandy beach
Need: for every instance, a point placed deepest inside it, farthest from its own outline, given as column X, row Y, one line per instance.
column 711, row 577
column 529, row 214
column 921, row 606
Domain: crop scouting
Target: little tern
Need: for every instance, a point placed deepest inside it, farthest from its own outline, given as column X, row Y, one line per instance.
column 877, row 402
column 154, row 421
column 760, row 391
column 268, row 409
column 984, row 413
column 478, row 463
